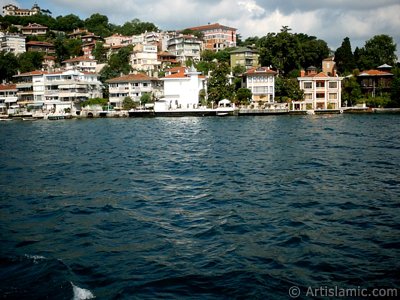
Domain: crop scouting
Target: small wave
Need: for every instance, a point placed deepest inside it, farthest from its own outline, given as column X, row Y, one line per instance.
column 81, row 294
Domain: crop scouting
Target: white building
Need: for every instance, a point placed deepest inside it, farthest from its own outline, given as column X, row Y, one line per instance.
column 181, row 89
column 144, row 58
column 81, row 63
column 8, row 98
column 320, row 91
column 13, row 43
column 13, row 10
column 56, row 91
column 133, row 86
column 261, row 82
column 185, row 47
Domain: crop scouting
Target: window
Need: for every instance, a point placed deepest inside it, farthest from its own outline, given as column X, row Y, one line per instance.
column 333, row 96
column 333, row 85
column 308, row 96
column 320, row 95
column 307, row 85
column 320, row 84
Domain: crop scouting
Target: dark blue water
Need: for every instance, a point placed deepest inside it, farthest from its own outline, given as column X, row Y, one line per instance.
column 198, row 208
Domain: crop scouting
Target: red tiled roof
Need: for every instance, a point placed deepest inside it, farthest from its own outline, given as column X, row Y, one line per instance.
column 34, row 25
column 37, row 43
column 5, row 87
column 375, row 73
column 79, row 58
column 32, row 73
column 211, row 26
column 132, row 77
column 260, row 71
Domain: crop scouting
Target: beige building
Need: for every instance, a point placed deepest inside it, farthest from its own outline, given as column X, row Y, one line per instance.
column 185, row 47
column 13, row 43
column 321, row 92
column 34, row 29
column 144, row 58
column 81, row 63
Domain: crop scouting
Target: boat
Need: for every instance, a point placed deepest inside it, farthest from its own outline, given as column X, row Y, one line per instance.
column 5, row 119
column 225, row 108
column 29, row 119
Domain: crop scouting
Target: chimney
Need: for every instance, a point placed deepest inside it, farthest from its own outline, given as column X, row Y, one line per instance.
column 302, row 73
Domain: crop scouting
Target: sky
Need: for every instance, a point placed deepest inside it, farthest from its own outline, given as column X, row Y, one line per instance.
column 329, row 20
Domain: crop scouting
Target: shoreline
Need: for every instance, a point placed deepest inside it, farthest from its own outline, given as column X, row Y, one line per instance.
column 195, row 113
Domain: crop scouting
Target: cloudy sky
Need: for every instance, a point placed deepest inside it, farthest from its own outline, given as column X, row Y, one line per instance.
column 330, row 20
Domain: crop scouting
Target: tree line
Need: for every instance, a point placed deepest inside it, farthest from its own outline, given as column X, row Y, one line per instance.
column 284, row 51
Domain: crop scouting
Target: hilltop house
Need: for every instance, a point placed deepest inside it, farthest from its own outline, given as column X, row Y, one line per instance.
column 133, row 86
column 13, row 10
column 321, row 91
column 34, row 29
column 216, row 36
column 181, row 89
column 261, row 82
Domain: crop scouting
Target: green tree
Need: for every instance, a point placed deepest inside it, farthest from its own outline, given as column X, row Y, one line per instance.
column 243, row 96
column 8, row 66
column 68, row 23
column 218, row 85
column 395, row 93
column 136, row 27
column 98, row 24
column 60, row 46
column 351, row 92
column 30, row 61
column 128, row 103
column 344, row 58
column 145, row 98
column 377, row 51
column 100, row 53
column 287, row 89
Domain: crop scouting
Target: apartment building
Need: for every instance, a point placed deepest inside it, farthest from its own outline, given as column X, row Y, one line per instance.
column 34, row 29
column 244, row 57
column 185, row 47
column 13, row 43
column 216, row 36
column 81, row 63
column 133, row 86
column 144, row 58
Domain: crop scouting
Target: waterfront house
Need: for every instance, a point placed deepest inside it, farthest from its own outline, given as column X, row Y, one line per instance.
column 8, row 98
column 133, row 86
column 37, row 46
column 13, row 43
column 321, row 91
column 182, row 87
column 185, row 47
column 54, row 92
column 13, row 10
column 245, row 57
column 261, row 82
column 216, row 36
column 81, row 63
column 376, row 82
column 34, row 29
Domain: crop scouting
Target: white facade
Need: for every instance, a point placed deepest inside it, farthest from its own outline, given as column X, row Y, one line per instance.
column 261, row 83
column 13, row 43
column 320, row 92
column 54, row 92
column 81, row 63
column 185, row 48
column 181, row 90
column 133, row 86
column 8, row 97
column 144, row 58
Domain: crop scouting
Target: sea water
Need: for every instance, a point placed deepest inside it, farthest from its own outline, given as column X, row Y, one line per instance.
column 199, row 208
